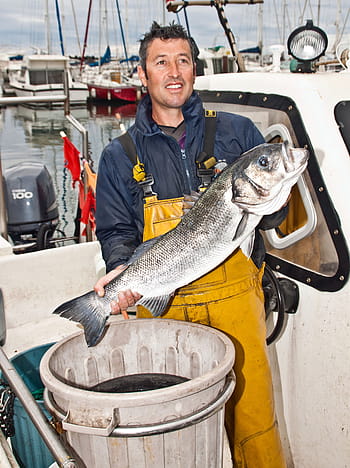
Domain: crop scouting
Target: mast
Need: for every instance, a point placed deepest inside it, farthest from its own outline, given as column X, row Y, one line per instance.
column 47, row 21
column 99, row 33
column 260, row 28
column 337, row 26
column 122, row 31
column 58, row 15
column 76, row 27
column 86, row 36
column 318, row 12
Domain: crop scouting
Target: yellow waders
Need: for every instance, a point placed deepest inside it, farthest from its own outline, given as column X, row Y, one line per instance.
column 230, row 298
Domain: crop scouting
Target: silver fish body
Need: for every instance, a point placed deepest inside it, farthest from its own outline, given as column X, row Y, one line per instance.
column 223, row 219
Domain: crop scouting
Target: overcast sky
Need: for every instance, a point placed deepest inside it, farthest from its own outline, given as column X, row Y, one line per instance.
column 23, row 23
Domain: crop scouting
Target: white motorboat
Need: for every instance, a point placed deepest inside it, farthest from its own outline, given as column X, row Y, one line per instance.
column 43, row 75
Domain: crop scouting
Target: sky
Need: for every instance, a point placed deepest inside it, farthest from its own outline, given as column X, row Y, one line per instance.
column 24, row 23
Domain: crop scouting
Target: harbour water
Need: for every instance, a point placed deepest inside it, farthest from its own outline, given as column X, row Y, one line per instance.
column 33, row 134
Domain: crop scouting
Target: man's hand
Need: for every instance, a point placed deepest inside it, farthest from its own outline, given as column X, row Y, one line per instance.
column 189, row 201
column 125, row 299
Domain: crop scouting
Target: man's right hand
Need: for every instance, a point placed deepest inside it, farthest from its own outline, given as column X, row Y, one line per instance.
column 125, row 298
column 189, row 201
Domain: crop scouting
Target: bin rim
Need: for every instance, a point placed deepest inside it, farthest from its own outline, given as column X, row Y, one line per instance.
column 132, row 399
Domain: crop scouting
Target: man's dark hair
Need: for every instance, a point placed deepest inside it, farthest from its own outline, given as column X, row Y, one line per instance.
column 172, row 31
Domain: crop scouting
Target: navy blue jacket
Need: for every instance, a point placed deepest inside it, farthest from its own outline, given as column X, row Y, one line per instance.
column 119, row 203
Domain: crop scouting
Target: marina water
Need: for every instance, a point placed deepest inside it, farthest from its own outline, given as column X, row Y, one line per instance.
column 33, row 134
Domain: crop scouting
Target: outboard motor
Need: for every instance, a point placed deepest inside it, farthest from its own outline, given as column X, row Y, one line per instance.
column 32, row 211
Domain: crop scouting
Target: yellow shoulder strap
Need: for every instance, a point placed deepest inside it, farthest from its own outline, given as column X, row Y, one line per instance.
column 128, row 144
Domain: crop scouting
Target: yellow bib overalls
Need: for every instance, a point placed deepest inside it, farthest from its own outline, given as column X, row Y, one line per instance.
column 230, row 298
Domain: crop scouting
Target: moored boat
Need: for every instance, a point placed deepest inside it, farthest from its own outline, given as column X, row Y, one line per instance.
column 112, row 91
column 43, row 75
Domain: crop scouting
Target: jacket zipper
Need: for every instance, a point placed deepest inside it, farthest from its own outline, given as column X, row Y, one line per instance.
column 187, row 169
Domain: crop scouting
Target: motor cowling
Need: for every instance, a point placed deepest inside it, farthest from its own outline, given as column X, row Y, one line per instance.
column 30, row 200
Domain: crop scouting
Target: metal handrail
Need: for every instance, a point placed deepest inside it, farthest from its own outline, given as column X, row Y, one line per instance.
column 47, row 432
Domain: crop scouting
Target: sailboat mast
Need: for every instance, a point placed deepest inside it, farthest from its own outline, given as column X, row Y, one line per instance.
column 337, row 27
column 260, row 27
column 318, row 12
column 86, row 36
column 76, row 27
column 58, row 15
column 47, row 21
column 122, row 30
column 99, row 32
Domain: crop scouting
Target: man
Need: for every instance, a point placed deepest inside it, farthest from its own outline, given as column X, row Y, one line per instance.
column 168, row 135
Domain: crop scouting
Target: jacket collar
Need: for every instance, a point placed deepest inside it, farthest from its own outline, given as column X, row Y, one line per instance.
column 192, row 111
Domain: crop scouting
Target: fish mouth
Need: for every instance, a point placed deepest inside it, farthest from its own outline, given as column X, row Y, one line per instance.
column 294, row 159
column 259, row 188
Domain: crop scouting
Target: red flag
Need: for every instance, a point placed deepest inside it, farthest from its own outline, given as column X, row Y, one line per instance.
column 71, row 159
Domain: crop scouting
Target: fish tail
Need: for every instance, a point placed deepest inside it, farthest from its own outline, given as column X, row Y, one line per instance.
column 88, row 311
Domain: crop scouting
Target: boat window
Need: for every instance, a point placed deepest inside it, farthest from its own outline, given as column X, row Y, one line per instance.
column 55, row 76
column 342, row 116
column 37, row 77
column 223, row 64
column 309, row 245
column 40, row 77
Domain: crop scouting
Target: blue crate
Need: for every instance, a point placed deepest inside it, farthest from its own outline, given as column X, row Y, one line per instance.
column 29, row 448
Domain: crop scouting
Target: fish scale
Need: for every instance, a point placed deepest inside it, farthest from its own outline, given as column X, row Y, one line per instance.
column 223, row 219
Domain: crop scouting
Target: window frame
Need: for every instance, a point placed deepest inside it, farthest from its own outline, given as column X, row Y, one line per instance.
column 291, row 270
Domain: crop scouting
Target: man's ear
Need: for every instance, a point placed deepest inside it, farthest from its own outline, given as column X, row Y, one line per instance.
column 142, row 75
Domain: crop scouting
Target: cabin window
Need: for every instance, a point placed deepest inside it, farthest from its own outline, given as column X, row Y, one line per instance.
column 309, row 245
column 37, row 77
column 55, row 76
column 40, row 77
column 224, row 64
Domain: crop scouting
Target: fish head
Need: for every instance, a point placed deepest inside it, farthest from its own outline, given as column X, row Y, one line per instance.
column 264, row 176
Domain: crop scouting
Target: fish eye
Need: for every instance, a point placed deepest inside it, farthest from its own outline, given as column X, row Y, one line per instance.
column 263, row 161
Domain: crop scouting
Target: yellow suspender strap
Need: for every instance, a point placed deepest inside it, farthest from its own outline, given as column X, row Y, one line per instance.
column 138, row 171
column 206, row 159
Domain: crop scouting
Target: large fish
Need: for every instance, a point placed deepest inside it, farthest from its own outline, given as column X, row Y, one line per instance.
column 223, row 219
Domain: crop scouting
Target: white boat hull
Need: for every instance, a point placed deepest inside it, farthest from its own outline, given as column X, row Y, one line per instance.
column 310, row 359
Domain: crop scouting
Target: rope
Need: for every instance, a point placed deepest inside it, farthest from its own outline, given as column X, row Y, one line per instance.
column 7, row 398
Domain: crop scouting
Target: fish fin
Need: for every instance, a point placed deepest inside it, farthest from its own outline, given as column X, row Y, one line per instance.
column 88, row 311
column 156, row 305
column 241, row 226
column 141, row 249
column 248, row 244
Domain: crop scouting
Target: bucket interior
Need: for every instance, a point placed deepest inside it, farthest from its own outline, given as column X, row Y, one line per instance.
column 138, row 383
column 142, row 347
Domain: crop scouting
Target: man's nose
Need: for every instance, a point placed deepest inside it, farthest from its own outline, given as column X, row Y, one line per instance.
column 173, row 69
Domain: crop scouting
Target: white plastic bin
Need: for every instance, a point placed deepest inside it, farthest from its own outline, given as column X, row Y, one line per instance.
column 177, row 426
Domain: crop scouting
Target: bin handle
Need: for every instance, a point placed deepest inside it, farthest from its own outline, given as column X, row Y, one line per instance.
column 190, row 420
column 98, row 431
column 68, row 426
column 152, row 429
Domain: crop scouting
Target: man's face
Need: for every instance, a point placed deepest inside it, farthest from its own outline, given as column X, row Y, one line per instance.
column 170, row 72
